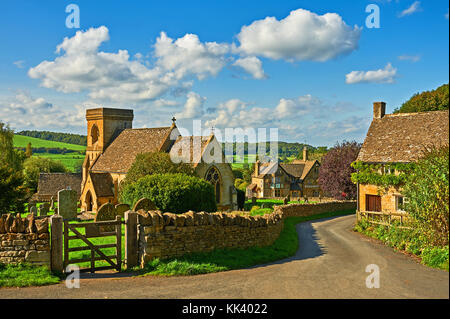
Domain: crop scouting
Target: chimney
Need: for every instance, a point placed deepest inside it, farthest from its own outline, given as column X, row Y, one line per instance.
column 379, row 110
column 305, row 153
column 257, row 168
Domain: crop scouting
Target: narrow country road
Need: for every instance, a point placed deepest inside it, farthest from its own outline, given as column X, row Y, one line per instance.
column 330, row 263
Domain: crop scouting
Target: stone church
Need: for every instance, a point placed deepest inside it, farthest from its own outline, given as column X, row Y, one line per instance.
column 112, row 146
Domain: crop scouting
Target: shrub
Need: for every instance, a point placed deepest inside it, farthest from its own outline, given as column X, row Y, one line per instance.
column 176, row 193
column 154, row 163
column 240, row 198
column 35, row 165
column 427, row 190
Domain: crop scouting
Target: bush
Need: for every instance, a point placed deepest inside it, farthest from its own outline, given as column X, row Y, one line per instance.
column 240, row 198
column 35, row 165
column 175, row 193
column 427, row 190
column 155, row 163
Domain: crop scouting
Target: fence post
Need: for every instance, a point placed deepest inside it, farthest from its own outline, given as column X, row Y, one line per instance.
column 131, row 239
column 56, row 222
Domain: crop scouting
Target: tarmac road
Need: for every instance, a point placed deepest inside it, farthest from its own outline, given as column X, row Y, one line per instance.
column 331, row 263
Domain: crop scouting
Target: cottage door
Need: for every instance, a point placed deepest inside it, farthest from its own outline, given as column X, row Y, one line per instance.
column 373, row 203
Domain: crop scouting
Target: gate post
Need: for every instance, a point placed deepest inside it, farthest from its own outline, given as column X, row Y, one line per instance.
column 131, row 239
column 56, row 261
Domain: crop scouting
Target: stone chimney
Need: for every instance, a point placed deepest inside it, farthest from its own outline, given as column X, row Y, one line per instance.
column 257, row 168
column 379, row 110
column 305, row 153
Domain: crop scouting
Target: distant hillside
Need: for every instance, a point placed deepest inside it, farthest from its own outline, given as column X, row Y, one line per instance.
column 57, row 137
column 22, row 141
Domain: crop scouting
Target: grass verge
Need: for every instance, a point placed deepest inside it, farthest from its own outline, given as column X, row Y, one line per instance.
column 227, row 259
column 25, row 275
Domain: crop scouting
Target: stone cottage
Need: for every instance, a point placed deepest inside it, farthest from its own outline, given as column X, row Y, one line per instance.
column 277, row 180
column 112, row 146
column 397, row 138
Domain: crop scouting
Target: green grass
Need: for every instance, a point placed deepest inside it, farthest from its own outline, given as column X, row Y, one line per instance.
column 269, row 203
column 22, row 141
column 25, row 275
column 227, row 259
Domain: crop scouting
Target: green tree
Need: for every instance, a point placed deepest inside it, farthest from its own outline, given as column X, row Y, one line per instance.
column 29, row 151
column 434, row 100
column 154, row 163
column 427, row 193
column 175, row 193
column 33, row 166
column 8, row 154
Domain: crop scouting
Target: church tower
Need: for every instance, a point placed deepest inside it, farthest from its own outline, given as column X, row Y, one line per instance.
column 103, row 126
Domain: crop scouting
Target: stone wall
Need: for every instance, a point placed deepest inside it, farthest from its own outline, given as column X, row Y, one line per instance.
column 169, row 235
column 24, row 240
column 291, row 210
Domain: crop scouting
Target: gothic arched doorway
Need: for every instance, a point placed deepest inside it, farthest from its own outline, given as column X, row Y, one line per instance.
column 88, row 200
column 213, row 176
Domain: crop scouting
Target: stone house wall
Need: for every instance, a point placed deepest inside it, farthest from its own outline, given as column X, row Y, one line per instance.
column 24, row 240
column 388, row 197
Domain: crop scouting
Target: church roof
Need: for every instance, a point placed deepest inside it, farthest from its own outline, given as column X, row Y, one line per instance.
column 121, row 153
column 396, row 138
column 103, row 184
column 50, row 183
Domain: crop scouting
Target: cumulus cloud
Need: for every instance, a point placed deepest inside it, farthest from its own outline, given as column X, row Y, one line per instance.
column 252, row 65
column 386, row 75
column 303, row 35
column 193, row 108
column 413, row 8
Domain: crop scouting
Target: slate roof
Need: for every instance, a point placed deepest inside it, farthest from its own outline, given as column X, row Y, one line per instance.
column 121, row 153
column 396, row 138
column 103, row 184
column 50, row 183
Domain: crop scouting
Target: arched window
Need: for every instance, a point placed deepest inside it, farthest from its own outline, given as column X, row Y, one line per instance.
column 213, row 176
column 95, row 134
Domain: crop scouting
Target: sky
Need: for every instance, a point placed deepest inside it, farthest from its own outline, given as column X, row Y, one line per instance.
column 312, row 69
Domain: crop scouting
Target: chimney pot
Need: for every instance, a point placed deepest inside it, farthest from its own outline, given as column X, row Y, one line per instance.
column 379, row 110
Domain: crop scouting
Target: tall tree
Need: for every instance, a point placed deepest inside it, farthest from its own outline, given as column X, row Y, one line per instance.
column 435, row 100
column 335, row 170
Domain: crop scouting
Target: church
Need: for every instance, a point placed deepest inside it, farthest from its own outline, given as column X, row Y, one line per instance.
column 112, row 146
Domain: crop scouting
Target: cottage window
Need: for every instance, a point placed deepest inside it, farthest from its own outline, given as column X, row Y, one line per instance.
column 400, row 202
column 277, row 193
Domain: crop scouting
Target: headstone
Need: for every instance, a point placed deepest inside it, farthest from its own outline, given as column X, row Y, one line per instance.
column 33, row 210
column 253, row 200
column 31, row 205
column 52, row 204
column 106, row 212
column 121, row 209
column 67, row 203
column 43, row 209
column 145, row 204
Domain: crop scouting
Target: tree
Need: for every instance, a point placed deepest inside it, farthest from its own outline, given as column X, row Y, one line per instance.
column 35, row 165
column 155, row 163
column 29, row 151
column 175, row 193
column 427, row 191
column 12, row 194
column 434, row 100
column 335, row 170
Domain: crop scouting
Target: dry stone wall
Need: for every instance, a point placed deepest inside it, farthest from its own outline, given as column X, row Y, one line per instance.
column 24, row 240
column 299, row 210
column 170, row 235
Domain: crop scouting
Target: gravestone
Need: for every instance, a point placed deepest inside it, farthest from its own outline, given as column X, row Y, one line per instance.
column 253, row 201
column 52, row 204
column 33, row 210
column 121, row 209
column 145, row 204
column 106, row 212
column 32, row 205
column 43, row 209
column 67, row 203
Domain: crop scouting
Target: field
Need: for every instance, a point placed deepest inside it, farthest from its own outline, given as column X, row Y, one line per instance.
column 72, row 161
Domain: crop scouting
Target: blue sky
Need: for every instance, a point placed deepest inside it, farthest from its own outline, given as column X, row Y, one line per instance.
column 310, row 68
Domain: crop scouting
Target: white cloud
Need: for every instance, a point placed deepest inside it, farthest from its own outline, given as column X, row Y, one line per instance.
column 412, row 58
column 413, row 8
column 386, row 75
column 303, row 35
column 188, row 56
column 251, row 65
column 193, row 108
column 19, row 64
column 296, row 107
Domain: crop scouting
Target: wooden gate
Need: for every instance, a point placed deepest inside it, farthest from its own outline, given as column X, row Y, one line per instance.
column 94, row 230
